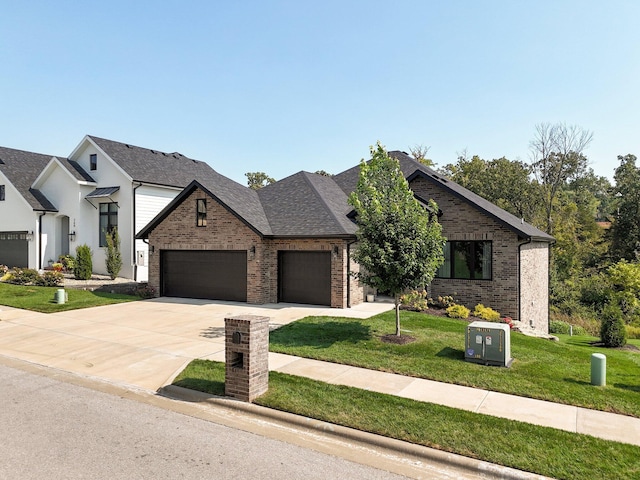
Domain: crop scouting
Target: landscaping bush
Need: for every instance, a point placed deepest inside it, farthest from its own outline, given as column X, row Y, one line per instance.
column 415, row 300
column 114, row 258
column 486, row 313
column 50, row 279
column 145, row 291
column 458, row 311
column 68, row 262
column 558, row 326
column 612, row 331
column 25, row 276
column 590, row 323
column 84, row 264
column 445, row 302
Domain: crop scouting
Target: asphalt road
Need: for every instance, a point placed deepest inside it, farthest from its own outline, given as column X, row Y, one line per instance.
column 57, row 430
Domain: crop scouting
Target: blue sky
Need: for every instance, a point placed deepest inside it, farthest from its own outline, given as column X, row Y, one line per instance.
column 284, row 86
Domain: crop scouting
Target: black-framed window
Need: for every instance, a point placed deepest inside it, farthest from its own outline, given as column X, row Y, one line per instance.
column 108, row 220
column 93, row 161
column 1, row 193
column 201, row 212
column 467, row 260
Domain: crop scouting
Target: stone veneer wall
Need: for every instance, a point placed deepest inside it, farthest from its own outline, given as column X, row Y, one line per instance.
column 461, row 221
column 534, row 285
column 224, row 231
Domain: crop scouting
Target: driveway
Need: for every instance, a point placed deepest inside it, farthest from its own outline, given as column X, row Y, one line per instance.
column 142, row 344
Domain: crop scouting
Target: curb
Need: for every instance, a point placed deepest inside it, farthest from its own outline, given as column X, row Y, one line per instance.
column 399, row 447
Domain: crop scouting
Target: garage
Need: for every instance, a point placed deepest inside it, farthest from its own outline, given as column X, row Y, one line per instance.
column 206, row 274
column 14, row 249
column 304, row 277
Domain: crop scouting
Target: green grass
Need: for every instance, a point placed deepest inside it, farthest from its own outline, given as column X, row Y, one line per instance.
column 41, row 299
column 541, row 450
column 554, row 371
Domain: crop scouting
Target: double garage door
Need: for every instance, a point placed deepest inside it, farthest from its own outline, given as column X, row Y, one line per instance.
column 303, row 277
column 14, row 249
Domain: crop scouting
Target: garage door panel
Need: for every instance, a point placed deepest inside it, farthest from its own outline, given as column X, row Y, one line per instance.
column 14, row 249
column 214, row 275
column 305, row 277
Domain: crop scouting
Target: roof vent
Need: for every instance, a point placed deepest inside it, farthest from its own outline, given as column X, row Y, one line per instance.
column 127, row 145
column 153, row 151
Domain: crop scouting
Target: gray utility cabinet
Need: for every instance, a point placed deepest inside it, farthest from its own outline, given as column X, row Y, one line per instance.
column 488, row 343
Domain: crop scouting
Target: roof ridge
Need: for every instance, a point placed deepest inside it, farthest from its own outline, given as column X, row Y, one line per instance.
column 320, row 197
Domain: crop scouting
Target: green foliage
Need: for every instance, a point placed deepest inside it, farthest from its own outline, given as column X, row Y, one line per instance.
column 612, row 332
column 557, row 326
column 50, row 279
column 400, row 243
column 68, row 262
column 486, row 313
column 114, row 257
column 257, row 180
column 415, row 300
column 632, row 332
column 458, row 311
column 84, row 263
column 26, row 276
column 625, row 230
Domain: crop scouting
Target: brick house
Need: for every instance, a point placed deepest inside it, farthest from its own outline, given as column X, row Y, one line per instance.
column 290, row 242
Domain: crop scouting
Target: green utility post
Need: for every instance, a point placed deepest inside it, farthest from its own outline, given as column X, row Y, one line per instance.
column 598, row 369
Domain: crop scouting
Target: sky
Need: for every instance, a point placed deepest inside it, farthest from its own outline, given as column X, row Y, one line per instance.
column 283, row 86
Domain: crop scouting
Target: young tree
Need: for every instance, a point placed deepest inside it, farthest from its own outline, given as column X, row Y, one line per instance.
column 114, row 257
column 257, row 180
column 400, row 243
column 84, row 263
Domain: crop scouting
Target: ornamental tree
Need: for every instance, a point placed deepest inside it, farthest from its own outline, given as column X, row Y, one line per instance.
column 400, row 243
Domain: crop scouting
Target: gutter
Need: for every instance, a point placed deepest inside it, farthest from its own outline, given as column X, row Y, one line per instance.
column 349, row 272
column 40, row 240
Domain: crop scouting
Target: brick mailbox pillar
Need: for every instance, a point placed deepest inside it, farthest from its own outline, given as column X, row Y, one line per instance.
column 246, row 356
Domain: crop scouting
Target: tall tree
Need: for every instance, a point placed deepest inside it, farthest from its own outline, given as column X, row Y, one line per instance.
column 257, row 180
column 420, row 152
column 400, row 243
column 557, row 158
column 625, row 231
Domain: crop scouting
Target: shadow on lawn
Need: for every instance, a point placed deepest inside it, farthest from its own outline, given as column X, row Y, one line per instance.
column 320, row 335
column 453, row 353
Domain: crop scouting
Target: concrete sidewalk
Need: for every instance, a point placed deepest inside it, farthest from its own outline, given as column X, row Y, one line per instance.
column 145, row 344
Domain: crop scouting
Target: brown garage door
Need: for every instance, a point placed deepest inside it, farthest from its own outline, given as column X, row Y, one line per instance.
column 304, row 277
column 14, row 249
column 209, row 274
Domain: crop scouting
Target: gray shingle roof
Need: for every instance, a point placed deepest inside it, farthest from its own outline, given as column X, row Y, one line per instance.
column 22, row 168
column 76, row 170
column 153, row 166
column 307, row 204
column 411, row 169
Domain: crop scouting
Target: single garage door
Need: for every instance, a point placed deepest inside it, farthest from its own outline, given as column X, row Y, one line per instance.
column 14, row 249
column 210, row 274
column 304, row 277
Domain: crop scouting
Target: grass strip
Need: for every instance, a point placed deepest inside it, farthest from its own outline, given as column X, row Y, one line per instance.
column 541, row 450
column 543, row 369
column 41, row 299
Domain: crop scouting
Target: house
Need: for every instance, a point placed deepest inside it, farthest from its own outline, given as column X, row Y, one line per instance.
column 50, row 204
column 290, row 242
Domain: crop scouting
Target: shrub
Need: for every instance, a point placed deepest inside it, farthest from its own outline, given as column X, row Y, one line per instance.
column 486, row 313
column 445, row 302
column 458, row 311
column 589, row 323
column 84, row 264
column 50, row 279
column 612, row 331
column 57, row 267
column 3, row 270
column 145, row 291
column 632, row 332
column 25, row 276
column 415, row 300
column 558, row 326
column 114, row 258
column 68, row 262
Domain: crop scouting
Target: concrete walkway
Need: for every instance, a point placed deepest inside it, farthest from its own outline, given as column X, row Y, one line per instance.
column 145, row 344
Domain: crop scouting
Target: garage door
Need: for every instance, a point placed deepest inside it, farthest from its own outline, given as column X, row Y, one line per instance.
column 214, row 275
column 304, row 277
column 14, row 249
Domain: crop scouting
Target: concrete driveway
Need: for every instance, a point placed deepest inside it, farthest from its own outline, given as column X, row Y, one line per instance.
column 142, row 344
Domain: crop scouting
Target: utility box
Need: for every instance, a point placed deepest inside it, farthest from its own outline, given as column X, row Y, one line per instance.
column 488, row 343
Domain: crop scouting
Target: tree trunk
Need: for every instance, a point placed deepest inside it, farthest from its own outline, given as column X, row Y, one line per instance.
column 397, row 301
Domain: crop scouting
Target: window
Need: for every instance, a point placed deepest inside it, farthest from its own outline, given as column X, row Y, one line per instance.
column 93, row 161
column 1, row 193
column 108, row 220
column 201, row 209
column 466, row 260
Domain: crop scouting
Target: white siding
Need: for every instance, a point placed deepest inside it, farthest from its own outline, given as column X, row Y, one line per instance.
column 17, row 216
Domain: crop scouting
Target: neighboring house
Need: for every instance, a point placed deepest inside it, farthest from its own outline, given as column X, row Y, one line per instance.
column 290, row 242
column 51, row 204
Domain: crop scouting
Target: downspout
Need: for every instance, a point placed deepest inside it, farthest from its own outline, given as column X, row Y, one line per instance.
column 349, row 272
column 42, row 214
column 529, row 240
column 133, row 243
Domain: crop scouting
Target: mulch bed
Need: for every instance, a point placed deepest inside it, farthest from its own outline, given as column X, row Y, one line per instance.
column 397, row 339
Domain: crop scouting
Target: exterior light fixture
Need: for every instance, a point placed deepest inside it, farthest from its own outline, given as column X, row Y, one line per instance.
column 72, row 236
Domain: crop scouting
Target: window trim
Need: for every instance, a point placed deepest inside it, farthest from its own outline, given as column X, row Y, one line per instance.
column 452, row 262
column 102, row 238
column 201, row 212
column 93, row 161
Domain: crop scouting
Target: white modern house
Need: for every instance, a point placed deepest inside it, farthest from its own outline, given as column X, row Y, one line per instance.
column 51, row 204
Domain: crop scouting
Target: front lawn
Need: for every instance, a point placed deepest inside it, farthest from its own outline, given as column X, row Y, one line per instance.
column 541, row 450
column 41, row 299
column 543, row 369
